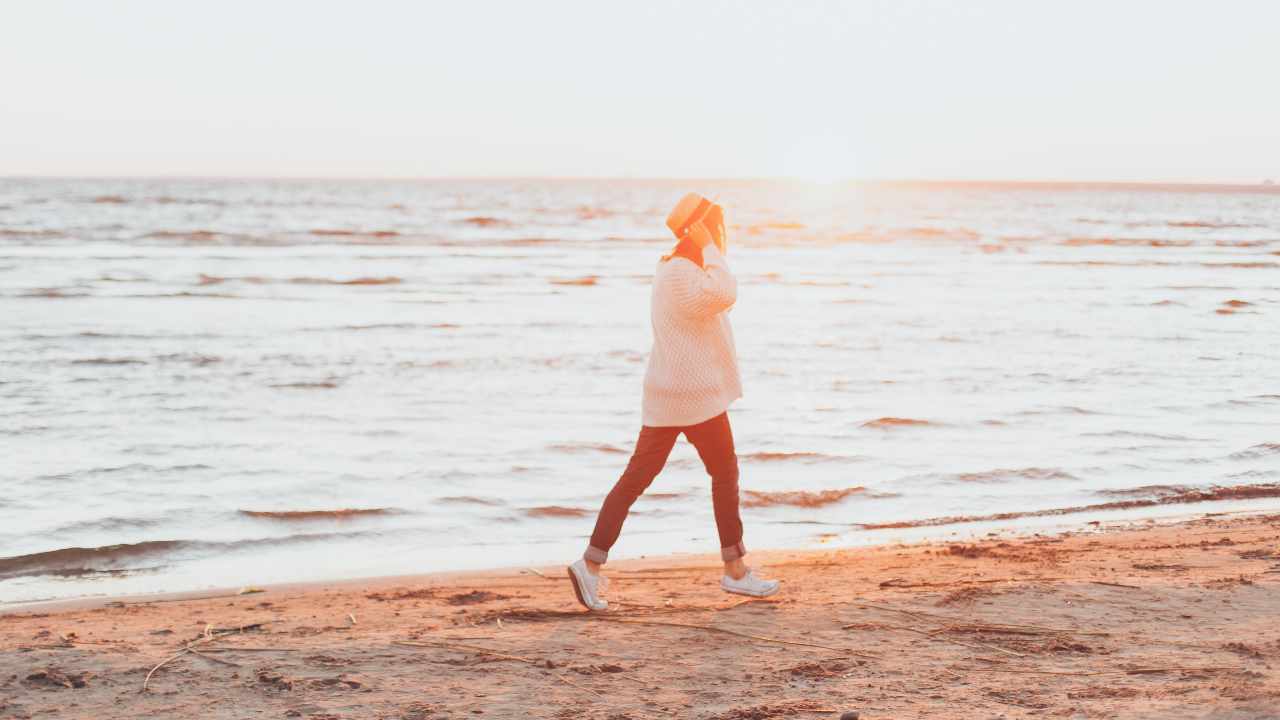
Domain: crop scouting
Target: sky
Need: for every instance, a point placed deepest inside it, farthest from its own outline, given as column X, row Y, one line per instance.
column 1139, row 90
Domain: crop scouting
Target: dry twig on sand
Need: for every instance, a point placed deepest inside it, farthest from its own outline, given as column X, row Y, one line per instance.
column 901, row 583
column 210, row 634
column 210, row 658
column 934, row 635
column 246, row 649
column 567, row 681
column 1111, row 584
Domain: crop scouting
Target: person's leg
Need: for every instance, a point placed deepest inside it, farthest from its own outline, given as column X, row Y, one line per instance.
column 651, row 452
column 714, row 442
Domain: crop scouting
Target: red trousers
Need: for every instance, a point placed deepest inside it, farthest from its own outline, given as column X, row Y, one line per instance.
column 713, row 440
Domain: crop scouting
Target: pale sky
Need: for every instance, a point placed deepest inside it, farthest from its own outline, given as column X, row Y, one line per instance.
column 1122, row 90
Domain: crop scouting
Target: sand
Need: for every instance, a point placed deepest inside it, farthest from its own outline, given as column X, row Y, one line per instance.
column 1154, row 621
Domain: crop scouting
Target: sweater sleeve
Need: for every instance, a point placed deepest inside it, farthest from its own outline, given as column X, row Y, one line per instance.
column 705, row 292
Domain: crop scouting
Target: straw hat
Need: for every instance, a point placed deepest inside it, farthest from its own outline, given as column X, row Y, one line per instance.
column 689, row 210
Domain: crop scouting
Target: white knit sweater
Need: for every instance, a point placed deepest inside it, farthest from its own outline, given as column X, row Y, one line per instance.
column 693, row 368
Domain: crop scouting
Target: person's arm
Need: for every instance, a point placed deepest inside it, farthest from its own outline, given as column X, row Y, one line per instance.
column 705, row 292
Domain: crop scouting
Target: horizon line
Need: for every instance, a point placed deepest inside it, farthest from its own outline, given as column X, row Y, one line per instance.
column 1263, row 184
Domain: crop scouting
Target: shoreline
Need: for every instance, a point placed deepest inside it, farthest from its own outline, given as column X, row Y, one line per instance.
column 1131, row 620
column 1010, row 525
column 1014, row 525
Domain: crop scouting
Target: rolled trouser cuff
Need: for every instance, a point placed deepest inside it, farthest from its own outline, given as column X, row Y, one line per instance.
column 733, row 552
column 596, row 555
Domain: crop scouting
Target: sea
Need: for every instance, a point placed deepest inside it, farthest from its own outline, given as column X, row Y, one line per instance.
column 221, row 383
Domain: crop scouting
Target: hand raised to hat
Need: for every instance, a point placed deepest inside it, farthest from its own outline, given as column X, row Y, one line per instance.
column 700, row 236
column 711, row 229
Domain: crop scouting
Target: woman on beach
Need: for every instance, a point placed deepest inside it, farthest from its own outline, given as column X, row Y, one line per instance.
column 691, row 380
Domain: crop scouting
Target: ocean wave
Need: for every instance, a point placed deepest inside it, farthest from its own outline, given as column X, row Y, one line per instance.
column 205, row 238
column 1107, row 263
column 587, row 447
column 821, row 283
column 759, row 228
column 171, row 200
column 1213, row 494
column 80, row 560
column 519, row 242
column 1146, row 491
column 191, row 358
column 156, row 468
column 586, row 212
column 130, row 468
column 25, row 430
column 52, row 293
column 548, row 511
column 1143, row 436
column 586, row 280
column 885, row 423
column 131, row 278
column 1059, row 410
column 484, row 221
column 356, row 233
column 308, row 515
column 19, row 232
column 665, row 495
column 802, row 498
column 892, row 235
column 108, row 524
column 204, row 279
column 386, row 326
column 805, row 457
column 1206, row 224
column 1253, row 475
column 1256, row 265
column 387, row 280
column 469, row 500
column 1006, row 474
column 117, row 558
column 1242, row 243
column 194, row 236
column 1256, row 451
column 1125, row 242
column 185, row 294
column 308, row 385
column 109, row 361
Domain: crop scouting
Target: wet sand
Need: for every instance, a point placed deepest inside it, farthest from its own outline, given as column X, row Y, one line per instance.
column 1133, row 621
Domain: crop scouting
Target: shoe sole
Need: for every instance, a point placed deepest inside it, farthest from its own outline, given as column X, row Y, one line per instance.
column 751, row 594
column 577, row 591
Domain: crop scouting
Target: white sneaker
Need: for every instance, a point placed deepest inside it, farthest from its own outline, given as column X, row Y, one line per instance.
column 587, row 586
column 749, row 584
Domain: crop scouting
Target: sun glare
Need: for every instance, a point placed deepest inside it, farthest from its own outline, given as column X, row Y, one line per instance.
column 824, row 159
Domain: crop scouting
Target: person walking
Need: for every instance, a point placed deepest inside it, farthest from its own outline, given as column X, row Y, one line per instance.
column 691, row 380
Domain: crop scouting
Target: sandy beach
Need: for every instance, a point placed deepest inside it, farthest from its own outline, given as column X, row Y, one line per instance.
column 1142, row 620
